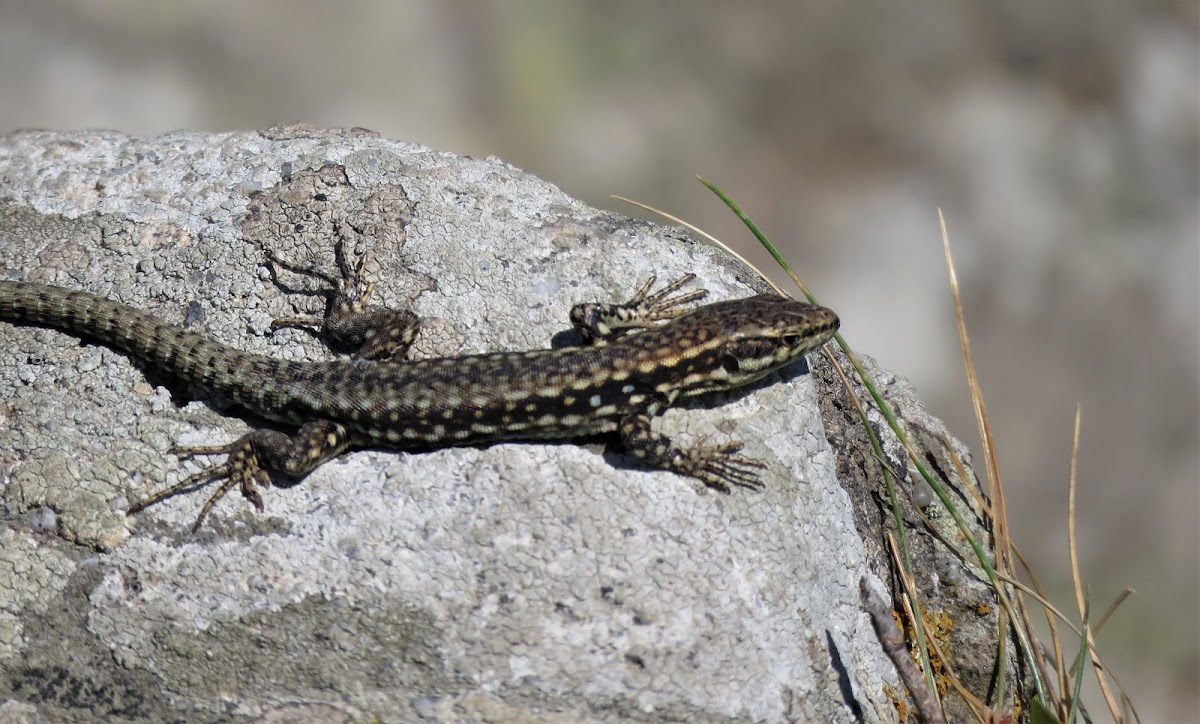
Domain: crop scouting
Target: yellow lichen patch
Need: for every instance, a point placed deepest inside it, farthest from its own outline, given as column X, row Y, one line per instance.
column 900, row 701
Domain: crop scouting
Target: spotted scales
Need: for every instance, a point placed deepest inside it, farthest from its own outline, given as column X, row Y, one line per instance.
column 637, row 359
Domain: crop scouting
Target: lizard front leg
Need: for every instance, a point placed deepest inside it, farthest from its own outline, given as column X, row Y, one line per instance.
column 717, row 466
column 599, row 324
column 252, row 458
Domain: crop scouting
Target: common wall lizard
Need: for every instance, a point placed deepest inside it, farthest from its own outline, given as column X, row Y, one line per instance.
column 637, row 359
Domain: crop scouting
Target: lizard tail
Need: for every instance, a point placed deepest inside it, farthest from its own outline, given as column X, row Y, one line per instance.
column 188, row 356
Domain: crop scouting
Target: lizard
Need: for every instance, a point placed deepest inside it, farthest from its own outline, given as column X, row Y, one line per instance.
column 636, row 360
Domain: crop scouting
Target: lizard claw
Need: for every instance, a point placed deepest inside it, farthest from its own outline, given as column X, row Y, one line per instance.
column 720, row 467
column 239, row 470
column 602, row 323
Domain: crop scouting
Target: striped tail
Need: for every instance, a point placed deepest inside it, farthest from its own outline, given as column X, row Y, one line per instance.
column 188, row 356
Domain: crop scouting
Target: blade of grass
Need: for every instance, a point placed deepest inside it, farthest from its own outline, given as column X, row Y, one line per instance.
column 704, row 234
column 1080, row 596
column 762, row 238
column 1005, row 548
column 980, row 554
column 992, row 466
column 1112, row 608
column 904, row 564
column 874, row 440
column 885, row 410
column 1052, row 618
column 1083, row 647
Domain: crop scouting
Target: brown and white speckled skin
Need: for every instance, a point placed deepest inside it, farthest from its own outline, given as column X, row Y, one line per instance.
column 632, row 371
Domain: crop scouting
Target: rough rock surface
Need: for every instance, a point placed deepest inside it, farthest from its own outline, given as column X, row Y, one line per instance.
column 533, row 582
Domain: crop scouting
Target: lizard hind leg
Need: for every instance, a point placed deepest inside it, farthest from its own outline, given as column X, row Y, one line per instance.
column 251, row 459
column 369, row 332
column 240, row 469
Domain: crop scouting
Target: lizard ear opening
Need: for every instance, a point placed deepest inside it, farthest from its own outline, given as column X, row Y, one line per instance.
column 731, row 364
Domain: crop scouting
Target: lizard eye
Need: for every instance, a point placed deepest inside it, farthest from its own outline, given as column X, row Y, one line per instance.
column 731, row 364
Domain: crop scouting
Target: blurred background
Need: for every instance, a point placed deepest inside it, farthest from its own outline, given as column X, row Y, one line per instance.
column 1061, row 139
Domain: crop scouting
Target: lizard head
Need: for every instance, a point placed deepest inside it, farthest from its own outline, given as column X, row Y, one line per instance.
column 730, row 344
